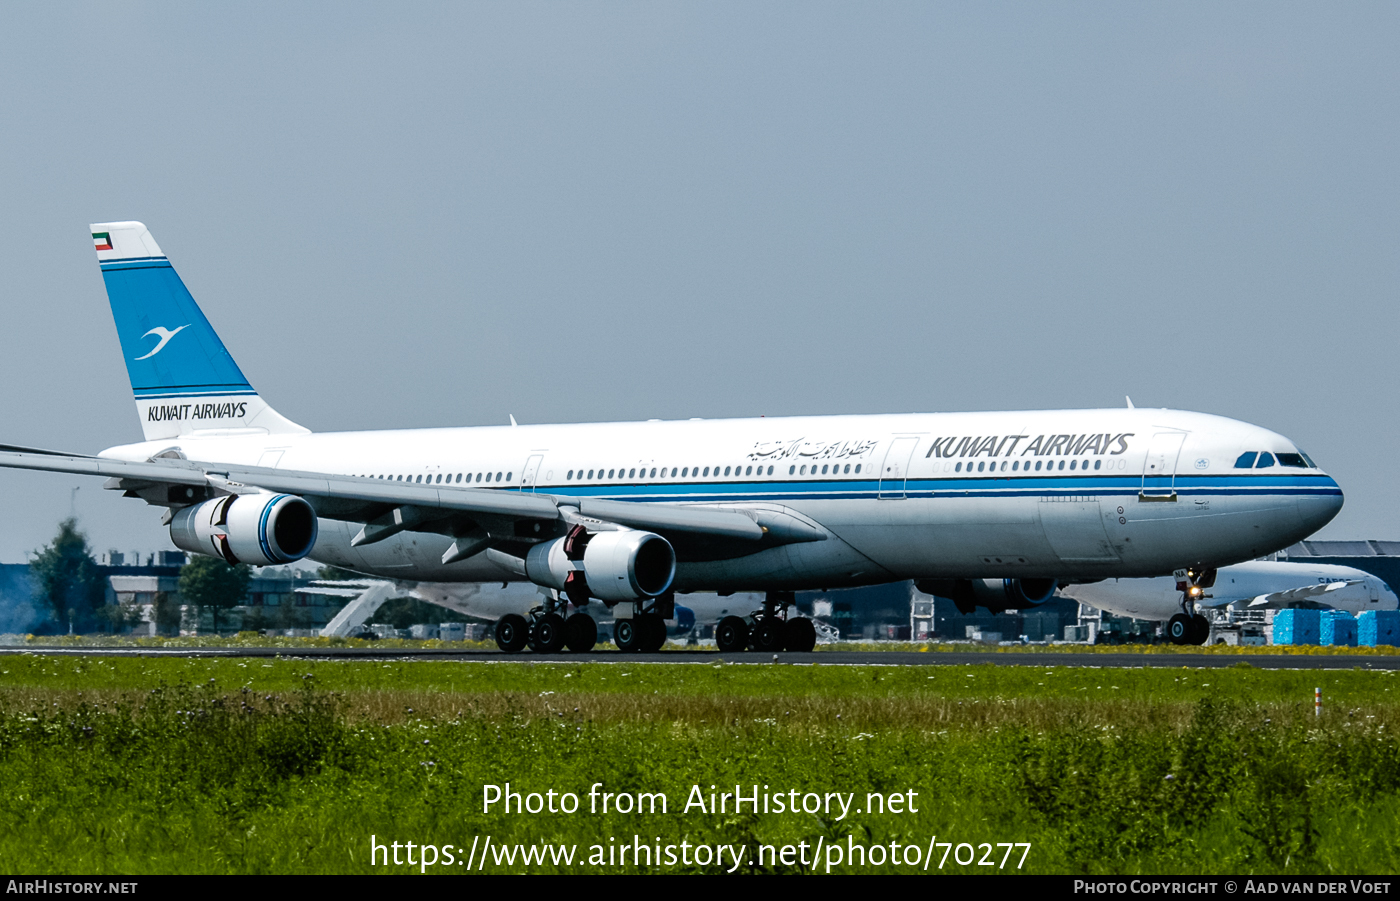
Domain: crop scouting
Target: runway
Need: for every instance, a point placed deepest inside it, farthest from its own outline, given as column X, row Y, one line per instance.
column 820, row 658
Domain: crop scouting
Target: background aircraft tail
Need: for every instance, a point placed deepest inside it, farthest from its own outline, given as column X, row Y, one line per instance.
column 184, row 380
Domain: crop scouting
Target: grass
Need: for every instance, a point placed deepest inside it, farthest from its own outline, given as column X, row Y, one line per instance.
column 255, row 640
column 166, row 765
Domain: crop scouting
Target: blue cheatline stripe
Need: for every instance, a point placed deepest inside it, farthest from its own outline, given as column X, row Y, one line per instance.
column 195, row 391
column 137, row 263
column 262, row 530
column 1111, row 486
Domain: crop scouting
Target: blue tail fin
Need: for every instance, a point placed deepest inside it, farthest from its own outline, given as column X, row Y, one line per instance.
column 182, row 375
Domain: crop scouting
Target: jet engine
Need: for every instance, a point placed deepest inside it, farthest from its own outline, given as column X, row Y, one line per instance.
column 996, row 595
column 260, row 529
column 624, row 565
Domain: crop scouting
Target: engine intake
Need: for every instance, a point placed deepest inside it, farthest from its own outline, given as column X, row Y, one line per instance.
column 994, row 594
column 260, row 529
column 624, row 565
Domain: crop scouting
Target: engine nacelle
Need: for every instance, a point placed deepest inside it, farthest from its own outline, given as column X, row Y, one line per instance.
column 996, row 595
column 260, row 529
column 624, row 565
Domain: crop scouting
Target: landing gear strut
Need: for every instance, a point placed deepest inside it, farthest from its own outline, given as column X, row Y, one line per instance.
column 1188, row 626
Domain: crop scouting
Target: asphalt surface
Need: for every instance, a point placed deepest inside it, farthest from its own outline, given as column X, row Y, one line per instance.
column 824, row 658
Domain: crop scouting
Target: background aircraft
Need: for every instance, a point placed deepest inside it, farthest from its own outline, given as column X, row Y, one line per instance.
column 1256, row 585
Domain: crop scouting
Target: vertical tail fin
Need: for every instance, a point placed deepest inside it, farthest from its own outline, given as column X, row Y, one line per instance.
column 182, row 375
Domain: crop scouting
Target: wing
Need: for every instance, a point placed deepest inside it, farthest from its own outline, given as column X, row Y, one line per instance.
column 509, row 520
column 1302, row 593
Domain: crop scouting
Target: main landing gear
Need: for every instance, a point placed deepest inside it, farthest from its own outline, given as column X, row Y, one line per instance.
column 1188, row 626
column 769, row 629
column 641, row 625
column 546, row 631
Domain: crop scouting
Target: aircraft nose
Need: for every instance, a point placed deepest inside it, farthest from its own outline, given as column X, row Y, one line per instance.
column 1321, row 507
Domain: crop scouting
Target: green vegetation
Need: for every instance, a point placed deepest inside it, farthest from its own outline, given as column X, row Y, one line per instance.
column 210, row 584
column 247, row 765
column 69, row 584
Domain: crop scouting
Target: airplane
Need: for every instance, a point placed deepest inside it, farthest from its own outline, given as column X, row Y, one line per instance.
column 629, row 514
column 1256, row 585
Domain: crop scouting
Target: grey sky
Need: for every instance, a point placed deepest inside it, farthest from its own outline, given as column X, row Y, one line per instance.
column 426, row 215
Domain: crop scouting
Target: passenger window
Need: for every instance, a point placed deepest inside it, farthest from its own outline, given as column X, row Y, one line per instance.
column 770, row 470
column 610, row 473
column 706, row 473
column 1266, row 460
column 508, row 475
column 857, row 467
column 632, row 473
column 958, row 468
column 980, row 466
column 1015, row 465
column 848, row 468
column 824, row 469
column 748, row 470
column 1292, row 460
column 1246, row 460
column 1072, row 464
column 1037, row 466
column 1003, row 466
column 673, row 472
column 1097, row 464
column 792, row 470
column 726, row 470
column 803, row 471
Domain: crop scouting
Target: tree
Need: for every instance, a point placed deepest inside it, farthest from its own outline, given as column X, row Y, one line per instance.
column 69, row 582
column 166, row 614
column 210, row 583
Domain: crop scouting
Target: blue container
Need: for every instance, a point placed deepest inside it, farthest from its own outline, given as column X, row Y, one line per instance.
column 1293, row 627
column 1378, row 627
column 1337, row 627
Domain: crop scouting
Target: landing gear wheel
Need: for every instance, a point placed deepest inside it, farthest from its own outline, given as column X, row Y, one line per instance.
column 799, row 635
column 548, row 635
column 768, row 636
column 581, row 633
column 1200, row 629
column 511, row 632
column 732, row 634
column 1179, row 629
column 653, row 632
column 628, row 634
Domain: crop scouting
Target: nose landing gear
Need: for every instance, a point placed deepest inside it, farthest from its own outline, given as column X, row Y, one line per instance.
column 1188, row 626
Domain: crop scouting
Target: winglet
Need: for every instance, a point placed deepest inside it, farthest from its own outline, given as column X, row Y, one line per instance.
column 1130, row 402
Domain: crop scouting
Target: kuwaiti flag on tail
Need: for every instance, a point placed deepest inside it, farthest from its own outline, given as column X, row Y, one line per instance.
column 103, row 240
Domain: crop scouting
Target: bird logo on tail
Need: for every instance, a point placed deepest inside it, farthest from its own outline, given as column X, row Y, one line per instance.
column 165, row 336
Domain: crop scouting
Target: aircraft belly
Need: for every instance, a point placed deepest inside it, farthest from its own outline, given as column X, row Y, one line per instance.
column 944, row 536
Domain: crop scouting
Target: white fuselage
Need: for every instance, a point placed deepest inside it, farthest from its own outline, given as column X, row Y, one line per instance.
column 1236, row 586
column 1066, row 494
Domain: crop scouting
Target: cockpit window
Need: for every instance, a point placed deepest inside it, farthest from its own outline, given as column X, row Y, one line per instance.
column 1292, row 460
column 1266, row 460
column 1246, row 460
column 1311, row 464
